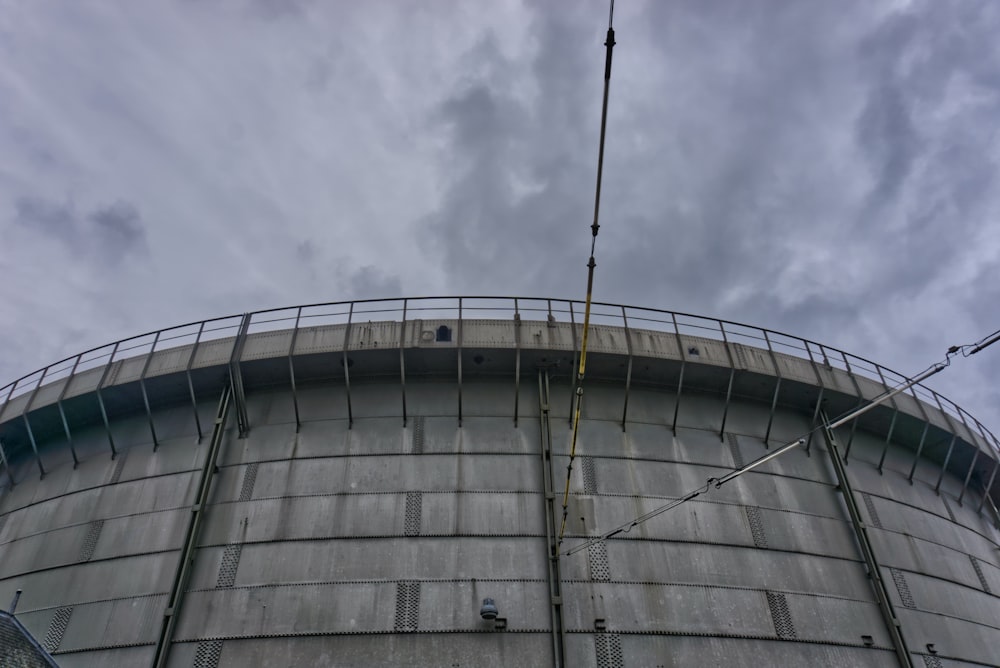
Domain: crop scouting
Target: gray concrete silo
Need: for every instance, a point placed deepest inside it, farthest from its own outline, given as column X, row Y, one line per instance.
column 345, row 484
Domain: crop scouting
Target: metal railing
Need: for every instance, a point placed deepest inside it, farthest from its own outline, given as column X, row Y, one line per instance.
column 488, row 307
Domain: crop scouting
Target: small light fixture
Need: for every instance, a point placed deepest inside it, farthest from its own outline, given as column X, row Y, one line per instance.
column 489, row 610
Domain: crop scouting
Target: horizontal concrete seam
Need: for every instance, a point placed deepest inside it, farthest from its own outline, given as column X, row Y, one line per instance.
column 392, row 536
column 106, row 519
column 698, row 585
column 376, row 581
column 927, row 512
column 741, row 546
column 92, row 488
column 79, row 604
column 899, row 532
column 87, row 563
column 733, row 636
column 98, row 648
column 373, row 632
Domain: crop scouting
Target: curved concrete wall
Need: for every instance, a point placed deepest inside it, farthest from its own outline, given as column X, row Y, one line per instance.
column 336, row 532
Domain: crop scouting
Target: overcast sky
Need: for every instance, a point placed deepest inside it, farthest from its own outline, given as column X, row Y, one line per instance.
column 828, row 169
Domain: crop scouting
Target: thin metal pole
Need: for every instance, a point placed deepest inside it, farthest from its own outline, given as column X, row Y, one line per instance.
column 347, row 370
column 402, row 361
column 729, row 388
column 861, row 400
column 517, row 359
column 145, row 395
column 291, row 370
column 27, row 422
column 777, row 390
column 6, row 463
column 100, row 400
column 989, row 486
column 947, row 459
column 572, row 393
column 62, row 413
column 892, row 425
column 628, row 372
column 680, row 379
column 190, row 382
column 458, row 345
column 920, row 449
column 968, row 476
column 819, row 397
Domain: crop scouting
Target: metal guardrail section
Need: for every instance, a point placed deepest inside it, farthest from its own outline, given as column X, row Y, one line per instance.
column 469, row 308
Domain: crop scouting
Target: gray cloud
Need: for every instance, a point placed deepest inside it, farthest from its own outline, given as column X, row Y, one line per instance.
column 826, row 170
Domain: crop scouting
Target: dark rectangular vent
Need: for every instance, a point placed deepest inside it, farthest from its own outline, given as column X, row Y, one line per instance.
column 598, row 557
column 872, row 512
column 227, row 568
column 208, row 654
column 53, row 637
column 756, row 526
column 249, row 480
column 608, row 650
column 414, row 506
column 734, row 447
column 781, row 615
column 90, row 540
column 904, row 589
column 407, row 606
column 418, row 435
column 589, row 475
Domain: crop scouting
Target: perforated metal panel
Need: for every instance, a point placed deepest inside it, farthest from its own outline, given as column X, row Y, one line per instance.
column 780, row 615
column 228, row 566
column 872, row 513
column 979, row 574
column 904, row 589
column 598, row 557
column 608, row 650
column 734, row 447
column 589, row 475
column 756, row 526
column 208, row 654
column 249, row 479
column 53, row 637
column 116, row 475
column 90, row 540
column 932, row 662
column 414, row 504
column 407, row 606
column 418, row 435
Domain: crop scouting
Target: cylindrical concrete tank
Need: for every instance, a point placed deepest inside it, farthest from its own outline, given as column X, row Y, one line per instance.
column 345, row 484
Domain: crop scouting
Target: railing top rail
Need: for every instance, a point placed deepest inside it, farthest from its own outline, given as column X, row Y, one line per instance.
column 720, row 327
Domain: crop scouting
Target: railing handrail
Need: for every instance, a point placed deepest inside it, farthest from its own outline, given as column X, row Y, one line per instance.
column 862, row 366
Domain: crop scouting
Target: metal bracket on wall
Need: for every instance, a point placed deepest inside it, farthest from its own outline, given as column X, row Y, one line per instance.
column 867, row 551
column 346, row 364
column 892, row 425
column 62, row 413
column 402, row 361
column 777, row 391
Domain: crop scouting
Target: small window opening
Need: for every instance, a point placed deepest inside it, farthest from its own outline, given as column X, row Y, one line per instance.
column 443, row 333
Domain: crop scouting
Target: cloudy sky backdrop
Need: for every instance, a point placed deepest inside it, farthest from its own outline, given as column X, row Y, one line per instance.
column 825, row 169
